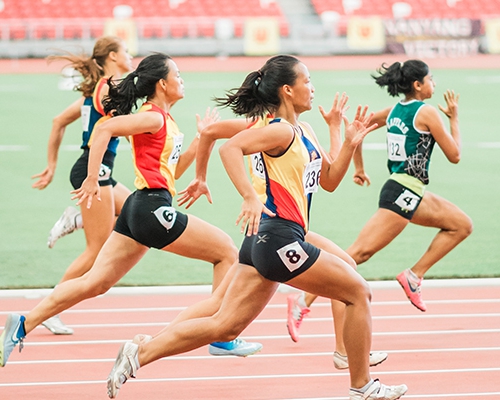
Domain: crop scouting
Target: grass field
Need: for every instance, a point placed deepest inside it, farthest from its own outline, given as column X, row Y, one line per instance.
column 29, row 101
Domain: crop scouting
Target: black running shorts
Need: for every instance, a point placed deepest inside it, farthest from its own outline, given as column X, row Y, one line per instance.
column 398, row 198
column 278, row 251
column 79, row 170
column 149, row 218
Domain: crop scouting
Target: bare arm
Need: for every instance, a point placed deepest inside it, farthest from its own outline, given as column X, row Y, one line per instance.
column 451, row 144
column 187, row 158
column 273, row 139
column 208, row 136
column 59, row 124
column 123, row 125
column 360, row 176
column 333, row 171
column 334, row 121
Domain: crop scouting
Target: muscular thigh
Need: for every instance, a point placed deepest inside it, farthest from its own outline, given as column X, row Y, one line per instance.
column 98, row 221
column 326, row 244
column 203, row 241
column 331, row 277
column 247, row 295
column 435, row 211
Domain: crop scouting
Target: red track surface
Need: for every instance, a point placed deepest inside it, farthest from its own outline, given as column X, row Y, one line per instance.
column 449, row 352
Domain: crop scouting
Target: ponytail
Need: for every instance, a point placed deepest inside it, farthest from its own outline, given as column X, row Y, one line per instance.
column 259, row 92
column 123, row 95
column 399, row 77
column 91, row 68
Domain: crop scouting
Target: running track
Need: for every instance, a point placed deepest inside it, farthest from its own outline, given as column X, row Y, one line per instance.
column 450, row 352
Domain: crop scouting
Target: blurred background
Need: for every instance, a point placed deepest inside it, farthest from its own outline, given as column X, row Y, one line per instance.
column 215, row 44
column 419, row 28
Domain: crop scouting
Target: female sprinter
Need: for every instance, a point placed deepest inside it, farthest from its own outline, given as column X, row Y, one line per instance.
column 109, row 59
column 147, row 218
column 274, row 249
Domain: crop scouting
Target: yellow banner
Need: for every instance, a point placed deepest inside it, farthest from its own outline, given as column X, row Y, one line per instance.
column 492, row 30
column 365, row 33
column 262, row 36
column 125, row 29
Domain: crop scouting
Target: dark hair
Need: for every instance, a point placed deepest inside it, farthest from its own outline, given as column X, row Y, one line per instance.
column 141, row 83
column 258, row 94
column 91, row 68
column 399, row 77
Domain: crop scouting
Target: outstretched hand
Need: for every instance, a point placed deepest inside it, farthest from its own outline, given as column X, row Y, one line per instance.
column 251, row 212
column 88, row 190
column 356, row 131
column 193, row 192
column 338, row 110
column 44, row 179
column 451, row 103
column 209, row 118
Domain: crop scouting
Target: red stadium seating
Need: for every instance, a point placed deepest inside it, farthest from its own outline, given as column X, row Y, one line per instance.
column 181, row 18
column 420, row 8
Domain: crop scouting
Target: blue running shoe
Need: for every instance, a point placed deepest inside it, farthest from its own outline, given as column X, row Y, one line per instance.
column 236, row 347
column 12, row 334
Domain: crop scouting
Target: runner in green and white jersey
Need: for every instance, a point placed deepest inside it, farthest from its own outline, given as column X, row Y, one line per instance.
column 413, row 128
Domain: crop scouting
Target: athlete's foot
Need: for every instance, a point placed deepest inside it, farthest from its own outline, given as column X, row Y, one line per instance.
column 295, row 314
column 411, row 285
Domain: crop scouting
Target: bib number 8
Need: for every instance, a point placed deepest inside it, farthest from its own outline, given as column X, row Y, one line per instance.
column 293, row 256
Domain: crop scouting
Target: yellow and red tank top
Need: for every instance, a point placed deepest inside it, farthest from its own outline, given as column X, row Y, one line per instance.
column 155, row 155
column 92, row 114
column 293, row 177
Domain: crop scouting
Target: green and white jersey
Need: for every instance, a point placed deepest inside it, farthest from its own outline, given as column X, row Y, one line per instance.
column 408, row 149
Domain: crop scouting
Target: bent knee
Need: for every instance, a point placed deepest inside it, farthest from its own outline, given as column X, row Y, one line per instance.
column 360, row 256
column 361, row 292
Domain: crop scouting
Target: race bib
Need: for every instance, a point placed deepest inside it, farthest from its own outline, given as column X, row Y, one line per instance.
column 176, row 150
column 396, row 147
column 293, row 256
column 85, row 111
column 257, row 165
column 104, row 173
column 407, row 200
column 166, row 216
column 311, row 176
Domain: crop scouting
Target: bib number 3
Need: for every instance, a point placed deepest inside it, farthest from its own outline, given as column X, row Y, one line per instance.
column 293, row 256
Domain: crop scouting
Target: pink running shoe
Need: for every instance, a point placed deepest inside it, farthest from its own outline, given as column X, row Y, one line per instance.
column 296, row 314
column 412, row 290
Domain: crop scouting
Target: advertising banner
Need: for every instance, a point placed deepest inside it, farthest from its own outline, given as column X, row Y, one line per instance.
column 436, row 37
column 365, row 33
column 262, row 36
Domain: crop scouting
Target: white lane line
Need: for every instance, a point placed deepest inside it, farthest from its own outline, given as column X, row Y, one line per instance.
column 416, row 396
column 255, row 377
column 260, row 355
column 269, row 306
column 276, row 337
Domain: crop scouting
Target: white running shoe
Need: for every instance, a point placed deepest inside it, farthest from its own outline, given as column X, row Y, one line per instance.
column 237, row 347
column 125, row 367
column 376, row 358
column 378, row 391
column 65, row 225
column 13, row 333
column 56, row 326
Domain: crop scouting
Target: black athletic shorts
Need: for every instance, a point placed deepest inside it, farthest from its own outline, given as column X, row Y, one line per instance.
column 278, row 251
column 149, row 218
column 398, row 198
column 79, row 170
